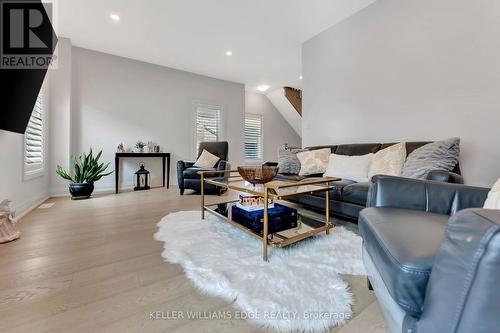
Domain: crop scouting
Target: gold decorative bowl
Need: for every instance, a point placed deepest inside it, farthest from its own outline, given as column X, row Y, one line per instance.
column 258, row 175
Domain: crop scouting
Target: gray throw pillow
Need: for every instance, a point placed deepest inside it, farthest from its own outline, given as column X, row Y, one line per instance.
column 288, row 162
column 439, row 155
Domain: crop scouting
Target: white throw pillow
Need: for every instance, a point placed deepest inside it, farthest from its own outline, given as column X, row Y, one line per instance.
column 349, row 167
column 206, row 160
column 388, row 161
column 314, row 161
column 493, row 200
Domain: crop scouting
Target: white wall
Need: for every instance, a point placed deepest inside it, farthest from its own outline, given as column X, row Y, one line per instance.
column 276, row 130
column 24, row 193
column 60, row 117
column 115, row 100
column 409, row 70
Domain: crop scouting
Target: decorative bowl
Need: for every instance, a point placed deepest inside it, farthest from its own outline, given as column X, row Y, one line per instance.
column 258, row 175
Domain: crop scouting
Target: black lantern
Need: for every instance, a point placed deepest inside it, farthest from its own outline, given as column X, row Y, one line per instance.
column 142, row 179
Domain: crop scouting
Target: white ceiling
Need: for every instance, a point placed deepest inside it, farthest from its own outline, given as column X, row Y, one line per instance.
column 265, row 36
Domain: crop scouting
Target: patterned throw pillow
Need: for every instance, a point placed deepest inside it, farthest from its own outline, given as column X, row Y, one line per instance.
column 388, row 161
column 206, row 160
column 313, row 162
column 493, row 200
column 439, row 155
column 288, row 162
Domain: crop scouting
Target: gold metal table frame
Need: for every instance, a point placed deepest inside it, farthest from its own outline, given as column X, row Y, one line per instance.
column 276, row 190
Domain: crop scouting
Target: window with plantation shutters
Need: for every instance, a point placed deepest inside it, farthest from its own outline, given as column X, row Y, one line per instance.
column 253, row 137
column 33, row 139
column 208, row 124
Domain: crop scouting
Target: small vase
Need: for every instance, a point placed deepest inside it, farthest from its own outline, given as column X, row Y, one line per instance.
column 138, row 150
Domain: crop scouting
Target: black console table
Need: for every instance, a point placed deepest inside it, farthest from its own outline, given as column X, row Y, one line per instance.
column 165, row 158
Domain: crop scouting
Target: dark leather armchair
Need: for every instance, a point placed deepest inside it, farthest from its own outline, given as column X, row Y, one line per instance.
column 187, row 174
column 432, row 255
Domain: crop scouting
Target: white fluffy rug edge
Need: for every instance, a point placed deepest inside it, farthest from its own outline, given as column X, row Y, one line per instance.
column 298, row 289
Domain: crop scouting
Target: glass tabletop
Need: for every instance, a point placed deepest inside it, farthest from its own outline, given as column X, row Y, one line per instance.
column 276, row 189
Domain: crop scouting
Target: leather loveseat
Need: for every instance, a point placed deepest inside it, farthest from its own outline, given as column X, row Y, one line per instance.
column 348, row 198
column 432, row 256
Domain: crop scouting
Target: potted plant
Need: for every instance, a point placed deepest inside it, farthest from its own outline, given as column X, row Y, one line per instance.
column 87, row 170
column 139, row 147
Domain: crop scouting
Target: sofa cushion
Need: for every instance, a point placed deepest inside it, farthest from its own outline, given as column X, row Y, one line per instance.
column 493, row 199
column 206, row 160
column 313, row 162
column 288, row 163
column 388, row 161
column 356, row 193
column 336, row 192
column 349, row 167
column 192, row 172
column 439, row 155
column 402, row 243
column 332, row 148
column 357, row 149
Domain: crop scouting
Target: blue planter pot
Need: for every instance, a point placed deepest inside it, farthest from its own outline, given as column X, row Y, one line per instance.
column 81, row 191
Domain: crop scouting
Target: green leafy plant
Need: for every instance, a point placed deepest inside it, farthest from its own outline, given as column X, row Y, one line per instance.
column 140, row 145
column 87, row 169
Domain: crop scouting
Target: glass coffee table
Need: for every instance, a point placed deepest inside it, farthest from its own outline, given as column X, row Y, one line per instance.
column 275, row 190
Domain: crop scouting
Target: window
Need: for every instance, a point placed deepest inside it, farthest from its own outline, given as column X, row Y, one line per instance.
column 253, row 137
column 33, row 140
column 208, row 124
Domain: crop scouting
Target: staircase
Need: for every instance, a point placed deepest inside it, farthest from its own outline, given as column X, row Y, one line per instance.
column 288, row 101
column 294, row 96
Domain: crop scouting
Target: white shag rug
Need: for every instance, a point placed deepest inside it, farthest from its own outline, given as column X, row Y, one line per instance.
column 298, row 289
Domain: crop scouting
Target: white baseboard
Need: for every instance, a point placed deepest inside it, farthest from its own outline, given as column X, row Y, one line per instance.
column 64, row 192
column 28, row 207
column 60, row 193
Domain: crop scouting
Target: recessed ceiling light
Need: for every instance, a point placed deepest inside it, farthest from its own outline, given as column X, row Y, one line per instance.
column 115, row 17
column 301, row 77
column 229, row 53
column 262, row 87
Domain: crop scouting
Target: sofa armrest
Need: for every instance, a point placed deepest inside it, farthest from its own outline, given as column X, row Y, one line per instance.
column 462, row 293
column 424, row 195
column 223, row 165
column 186, row 164
column 445, row 177
column 181, row 166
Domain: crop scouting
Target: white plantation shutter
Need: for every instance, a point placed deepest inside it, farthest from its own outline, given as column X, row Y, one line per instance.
column 33, row 138
column 208, row 124
column 253, row 137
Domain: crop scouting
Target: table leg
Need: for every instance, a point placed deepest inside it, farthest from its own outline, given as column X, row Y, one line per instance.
column 266, row 223
column 117, row 173
column 168, row 171
column 163, row 169
column 202, row 195
column 327, row 211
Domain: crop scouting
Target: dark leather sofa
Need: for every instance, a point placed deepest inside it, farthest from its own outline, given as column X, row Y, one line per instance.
column 432, row 256
column 348, row 198
column 187, row 174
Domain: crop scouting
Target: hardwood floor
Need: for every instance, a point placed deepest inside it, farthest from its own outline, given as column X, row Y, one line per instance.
column 93, row 266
